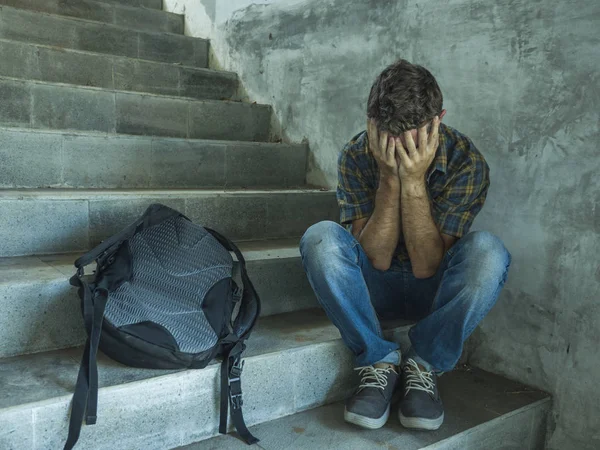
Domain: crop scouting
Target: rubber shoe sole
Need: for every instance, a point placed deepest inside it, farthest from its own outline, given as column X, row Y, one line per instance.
column 367, row 422
column 419, row 423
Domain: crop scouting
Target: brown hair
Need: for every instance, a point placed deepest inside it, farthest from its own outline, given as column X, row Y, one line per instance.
column 404, row 96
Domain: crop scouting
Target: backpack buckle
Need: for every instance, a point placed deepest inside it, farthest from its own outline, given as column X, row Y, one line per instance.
column 236, row 401
column 237, row 294
column 235, row 386
column 236, row 370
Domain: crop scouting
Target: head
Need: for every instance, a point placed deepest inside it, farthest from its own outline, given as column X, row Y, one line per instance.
column 403, row 98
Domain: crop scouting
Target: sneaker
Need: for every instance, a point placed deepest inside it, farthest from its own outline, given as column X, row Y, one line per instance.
column 369, row 407
column 421, row 407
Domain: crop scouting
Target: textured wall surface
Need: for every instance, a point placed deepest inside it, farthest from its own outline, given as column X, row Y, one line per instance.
column 521, row 78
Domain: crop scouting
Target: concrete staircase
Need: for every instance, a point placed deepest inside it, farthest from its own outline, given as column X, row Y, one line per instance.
column 105, row 107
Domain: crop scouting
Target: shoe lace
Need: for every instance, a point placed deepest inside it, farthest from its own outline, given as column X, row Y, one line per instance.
column 373, row 377
column 418, row 379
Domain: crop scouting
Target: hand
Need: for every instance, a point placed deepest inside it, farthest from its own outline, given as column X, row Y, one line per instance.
column 383, row 148
column 414, row 161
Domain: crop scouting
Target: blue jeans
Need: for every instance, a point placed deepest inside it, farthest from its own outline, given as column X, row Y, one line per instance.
column 446, row 307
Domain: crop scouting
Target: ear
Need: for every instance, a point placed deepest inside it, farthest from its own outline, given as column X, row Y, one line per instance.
column 442, row 114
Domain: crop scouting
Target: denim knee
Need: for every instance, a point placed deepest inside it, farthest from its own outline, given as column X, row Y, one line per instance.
column 487, row 257
column 324, row 239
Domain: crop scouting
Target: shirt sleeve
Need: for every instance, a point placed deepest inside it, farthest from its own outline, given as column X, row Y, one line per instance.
column 456, row 208
column 355, row 196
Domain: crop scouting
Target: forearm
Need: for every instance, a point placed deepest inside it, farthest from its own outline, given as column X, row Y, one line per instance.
column 380, row 235
column 423, row 239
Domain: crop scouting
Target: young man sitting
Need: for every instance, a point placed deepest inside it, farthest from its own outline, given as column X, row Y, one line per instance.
column 409, row 189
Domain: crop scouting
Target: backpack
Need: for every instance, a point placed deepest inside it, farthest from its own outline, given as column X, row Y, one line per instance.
column 166, row 294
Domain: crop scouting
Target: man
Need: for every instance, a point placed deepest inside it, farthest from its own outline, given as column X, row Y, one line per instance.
column 409, row 189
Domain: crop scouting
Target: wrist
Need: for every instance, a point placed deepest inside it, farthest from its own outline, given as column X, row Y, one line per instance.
column 391, row 181
column 414, row 187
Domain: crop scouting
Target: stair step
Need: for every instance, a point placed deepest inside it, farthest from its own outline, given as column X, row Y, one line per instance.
column 294, row 362
column 41, row 159
column 482, row 411
column 79, row 34
column 29, row 61
column 40, row 105
column 61, row 221
column 41, row 310
column 111, row 13
column 154, row 4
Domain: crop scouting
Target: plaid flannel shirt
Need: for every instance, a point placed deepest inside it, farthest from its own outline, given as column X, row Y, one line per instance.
column 457, row 181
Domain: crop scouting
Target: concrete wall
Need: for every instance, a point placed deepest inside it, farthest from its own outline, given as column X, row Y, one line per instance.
column 521, row 78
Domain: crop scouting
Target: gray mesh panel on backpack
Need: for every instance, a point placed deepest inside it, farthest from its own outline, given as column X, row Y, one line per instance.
column 175, row 264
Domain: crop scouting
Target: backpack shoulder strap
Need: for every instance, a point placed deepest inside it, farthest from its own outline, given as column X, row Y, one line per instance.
column 231, row 393
column 232, row 365
column 250, row 304
column 85, row 398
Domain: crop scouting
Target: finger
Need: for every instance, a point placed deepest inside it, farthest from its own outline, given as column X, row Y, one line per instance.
column 436, row 132
column 410, row 144
column 383, row 142
column 391, row 149
column 399, row 145
column 401, row 152
column 371, row 128
column 434, row 139
column 422, row 137
column 434, row 136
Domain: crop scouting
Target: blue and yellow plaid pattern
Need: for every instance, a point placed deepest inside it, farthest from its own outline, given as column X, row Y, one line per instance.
column 458, row 181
